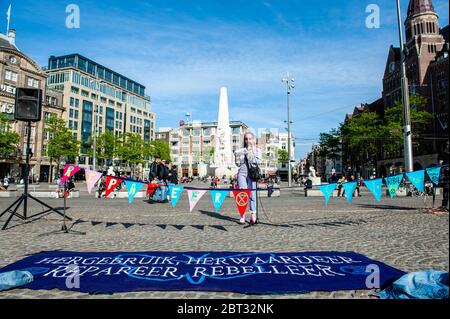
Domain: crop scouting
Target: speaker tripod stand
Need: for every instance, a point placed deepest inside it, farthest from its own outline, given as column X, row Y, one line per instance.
column 24, row 197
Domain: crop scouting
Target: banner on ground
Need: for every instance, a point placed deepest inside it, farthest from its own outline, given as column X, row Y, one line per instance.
column 268, row 272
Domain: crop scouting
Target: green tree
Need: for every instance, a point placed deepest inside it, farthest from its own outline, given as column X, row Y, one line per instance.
column 8, row 140
column 330, row 144
column 283, row 156
column 160, row 148
column 361, row 135
column 61, row 144
column 392, row 129
column 132, row 150
column 107, row 145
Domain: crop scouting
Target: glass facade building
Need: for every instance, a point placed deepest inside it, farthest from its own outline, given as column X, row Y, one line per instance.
column 98, row 99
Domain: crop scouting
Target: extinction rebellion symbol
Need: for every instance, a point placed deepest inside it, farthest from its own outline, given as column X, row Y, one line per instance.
column 242, row 199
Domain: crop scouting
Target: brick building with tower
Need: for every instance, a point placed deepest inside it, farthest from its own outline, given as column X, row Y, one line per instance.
column 19, row 70
column 426, row 62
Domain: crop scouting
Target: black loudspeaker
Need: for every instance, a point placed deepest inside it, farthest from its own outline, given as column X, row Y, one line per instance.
column 28, row 104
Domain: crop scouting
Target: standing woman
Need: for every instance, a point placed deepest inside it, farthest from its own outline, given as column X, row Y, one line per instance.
column 251, row 154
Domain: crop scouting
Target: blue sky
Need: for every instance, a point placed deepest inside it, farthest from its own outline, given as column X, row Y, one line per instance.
column 184, row 51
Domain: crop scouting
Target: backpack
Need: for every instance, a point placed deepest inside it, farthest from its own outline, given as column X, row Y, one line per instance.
column 254, row 173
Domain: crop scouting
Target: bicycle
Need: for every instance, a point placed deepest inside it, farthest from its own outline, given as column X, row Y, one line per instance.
column 414, row 192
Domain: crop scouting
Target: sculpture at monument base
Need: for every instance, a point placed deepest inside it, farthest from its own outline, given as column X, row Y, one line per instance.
column 312, row 176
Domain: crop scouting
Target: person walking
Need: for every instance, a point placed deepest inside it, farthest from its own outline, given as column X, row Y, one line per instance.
column 251, row 154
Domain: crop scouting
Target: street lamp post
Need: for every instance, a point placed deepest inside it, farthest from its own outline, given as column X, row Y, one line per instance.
column 405, row 95
column 290, row 86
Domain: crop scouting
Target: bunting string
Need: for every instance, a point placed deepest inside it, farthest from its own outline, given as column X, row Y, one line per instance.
column 241, row 196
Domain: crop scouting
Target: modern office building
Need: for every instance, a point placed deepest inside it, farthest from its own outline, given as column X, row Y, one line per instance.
column 19, row 70
column 97, row 99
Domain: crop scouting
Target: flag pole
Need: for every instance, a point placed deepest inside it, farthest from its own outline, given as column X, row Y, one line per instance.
column 8, row 15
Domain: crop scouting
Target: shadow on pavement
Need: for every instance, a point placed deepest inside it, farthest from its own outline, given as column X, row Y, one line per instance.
column 387, row 207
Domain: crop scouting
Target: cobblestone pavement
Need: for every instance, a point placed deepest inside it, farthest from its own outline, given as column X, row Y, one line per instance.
column 396, row 231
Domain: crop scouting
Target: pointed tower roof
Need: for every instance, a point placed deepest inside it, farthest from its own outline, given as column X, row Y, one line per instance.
column 416, row 7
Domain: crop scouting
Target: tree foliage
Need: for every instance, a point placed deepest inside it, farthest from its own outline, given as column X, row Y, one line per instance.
column 62, row 144
column 283, row 156
column 107, row 145
column 330, row 144
column 8, row 140
column 160, row 148
column 365, row 135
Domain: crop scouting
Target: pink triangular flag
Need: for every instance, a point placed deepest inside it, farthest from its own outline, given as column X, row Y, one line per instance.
column 92, row 177
column 69, row 171
column 194, row 196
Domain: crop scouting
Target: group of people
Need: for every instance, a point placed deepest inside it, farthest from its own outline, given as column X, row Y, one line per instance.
column 343, row 179
column 162, row 174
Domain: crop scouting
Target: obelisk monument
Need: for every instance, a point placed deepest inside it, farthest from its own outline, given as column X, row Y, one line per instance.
column 223, row 161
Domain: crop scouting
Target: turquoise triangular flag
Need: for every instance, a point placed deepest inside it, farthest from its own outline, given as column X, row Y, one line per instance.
column 434, row 174
column 375, row 185
column 349, row 188
column 218, row 197
column 327, row 190
column 392, row 183
column 417, row 178
column 175, row 193
column 132, row 188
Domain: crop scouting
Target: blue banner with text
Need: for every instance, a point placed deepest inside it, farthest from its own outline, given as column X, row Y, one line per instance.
column 242, row 272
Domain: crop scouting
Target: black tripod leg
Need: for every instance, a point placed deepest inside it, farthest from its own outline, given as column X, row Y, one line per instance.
column 49, row 207
column 19, row 201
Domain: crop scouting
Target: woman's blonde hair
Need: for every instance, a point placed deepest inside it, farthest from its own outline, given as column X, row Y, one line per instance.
column 248, row 132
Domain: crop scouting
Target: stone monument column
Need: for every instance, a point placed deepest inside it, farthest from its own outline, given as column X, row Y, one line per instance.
column 223, row 160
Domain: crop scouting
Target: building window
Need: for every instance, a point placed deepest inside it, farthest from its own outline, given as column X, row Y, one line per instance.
column 75, row 125
column 70, row 113
column 76, row 114
column 10, row 75
column 33, row 83
column 84, row 93
column 70, row 123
